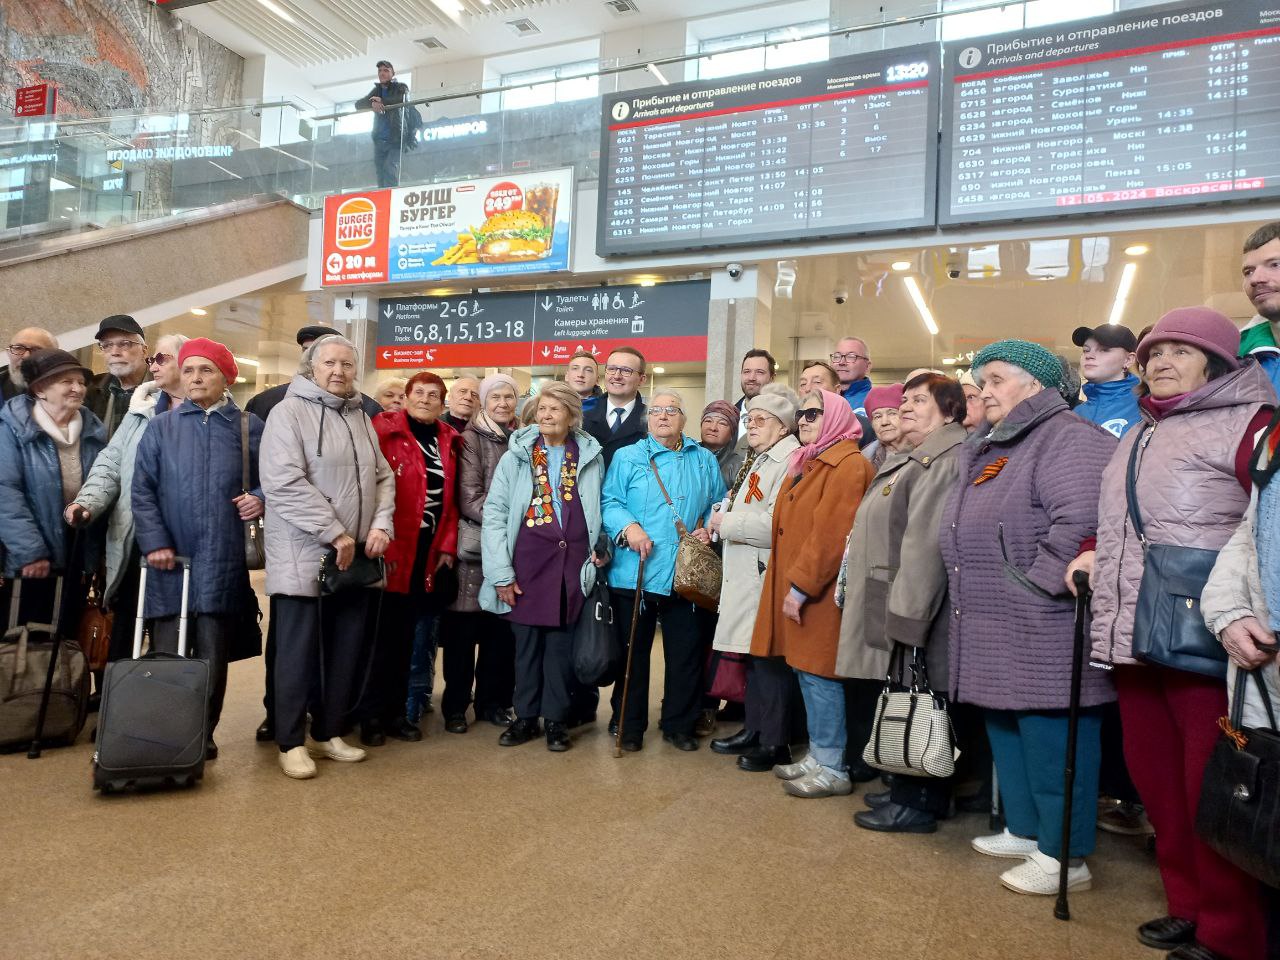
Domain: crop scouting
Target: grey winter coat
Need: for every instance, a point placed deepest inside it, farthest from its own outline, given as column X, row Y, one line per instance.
column 323, row 475
column 1008, row 533
column 481, row 451
column 897, row 583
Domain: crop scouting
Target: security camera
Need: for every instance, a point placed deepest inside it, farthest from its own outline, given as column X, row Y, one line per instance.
column 840, row 294
column 953, row 272
column 734, row 270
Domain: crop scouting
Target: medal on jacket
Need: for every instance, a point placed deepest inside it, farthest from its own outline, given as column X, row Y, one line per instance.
column 991, row 470
column 540, row 509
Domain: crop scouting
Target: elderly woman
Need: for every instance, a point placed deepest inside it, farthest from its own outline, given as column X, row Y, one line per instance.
column 639, row 516
column 882, row 410
column 1026, row 502
column 745, row 527
column 720, row 436
column 108, row 490
column 329, row 491
column 48, row 443
column 798, row 618
column 422, row 451
column 896, row 589
column 1191, row 477
column 390, row 395
column 541, row 518
column 465, row 625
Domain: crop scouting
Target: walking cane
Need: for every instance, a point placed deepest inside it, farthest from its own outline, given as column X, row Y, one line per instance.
column 631, row 646
column 1081, row 581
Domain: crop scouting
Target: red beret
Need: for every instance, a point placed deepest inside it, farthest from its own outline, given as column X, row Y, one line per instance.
column 210, row 350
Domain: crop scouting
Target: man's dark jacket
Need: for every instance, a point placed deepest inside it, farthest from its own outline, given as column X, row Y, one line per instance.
column 391, row 93
column 633, row 428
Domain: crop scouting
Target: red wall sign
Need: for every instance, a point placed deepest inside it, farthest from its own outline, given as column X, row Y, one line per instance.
column 37, row 100
column 356, row 227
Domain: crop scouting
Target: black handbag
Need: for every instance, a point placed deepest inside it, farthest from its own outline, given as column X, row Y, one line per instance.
column 1168, row 627
column 365, row 571
column 1239, row 812
column 598, row 652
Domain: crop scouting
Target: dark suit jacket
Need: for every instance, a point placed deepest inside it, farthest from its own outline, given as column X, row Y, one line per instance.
column 633, row 428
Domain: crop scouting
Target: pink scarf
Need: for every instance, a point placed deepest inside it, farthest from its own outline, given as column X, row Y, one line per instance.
column 838, row 423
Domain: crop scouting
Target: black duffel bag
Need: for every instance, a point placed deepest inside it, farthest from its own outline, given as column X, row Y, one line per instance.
column 598, row 652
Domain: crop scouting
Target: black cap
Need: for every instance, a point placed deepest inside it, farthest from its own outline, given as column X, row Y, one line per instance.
column 384, row 63
column 122, row 322
column 307, row 334
column 1109, row 335
column 42, row 364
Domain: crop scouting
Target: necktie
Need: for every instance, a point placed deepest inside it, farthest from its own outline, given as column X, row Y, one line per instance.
column 617, row 419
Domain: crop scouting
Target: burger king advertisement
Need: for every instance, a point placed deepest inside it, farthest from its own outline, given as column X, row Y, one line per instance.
column 515, row 224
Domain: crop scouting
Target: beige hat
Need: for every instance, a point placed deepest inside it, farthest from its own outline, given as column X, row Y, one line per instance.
column 966, row 379
column 777, row 400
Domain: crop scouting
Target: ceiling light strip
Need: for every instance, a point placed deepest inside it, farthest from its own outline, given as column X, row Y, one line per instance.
column 926, row 315
column 1122, row 292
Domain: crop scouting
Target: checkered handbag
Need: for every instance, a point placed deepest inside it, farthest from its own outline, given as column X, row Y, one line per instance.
column 912, row 733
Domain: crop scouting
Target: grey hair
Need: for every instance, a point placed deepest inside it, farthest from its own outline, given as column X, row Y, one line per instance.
column 668, row 392
column 306, row 366
column 566, row 396
column 178, row 340
column 980, row 381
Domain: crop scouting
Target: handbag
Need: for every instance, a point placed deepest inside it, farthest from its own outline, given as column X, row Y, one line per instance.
column 911, row 733
column 727, row 676
column 1239, row 812
column 93, row 632
column 468, row 540
column 699, row 571
column 255, row 544
column 365, row 571
column 1168, row 628
column 598, row 653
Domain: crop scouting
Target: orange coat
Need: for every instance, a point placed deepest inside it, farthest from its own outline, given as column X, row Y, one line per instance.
column 810, row 524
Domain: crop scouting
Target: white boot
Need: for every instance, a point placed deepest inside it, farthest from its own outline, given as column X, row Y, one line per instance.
column 1038, row 874
column 335, row 749
column 297, row 764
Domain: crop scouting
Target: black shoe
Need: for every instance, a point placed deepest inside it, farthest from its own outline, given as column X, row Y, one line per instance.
column 764, row 759
column 557, row 737
column 895, row 818
column 520, row 731
column 456, row 724
column 862, row 772
column 740, row 742
column 372, row 734
column 211, row 750
column 499, row 716
column 613, row 726
column 1195, row 950
column 1165, row 933
column 876, row 800
column 266, row 731
column 402, row 729
column 633, row 744
column 682, row 741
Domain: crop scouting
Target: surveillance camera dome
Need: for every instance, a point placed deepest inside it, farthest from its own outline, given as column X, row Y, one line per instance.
column 734, row 270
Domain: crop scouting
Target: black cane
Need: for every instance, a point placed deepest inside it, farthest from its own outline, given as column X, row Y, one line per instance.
column 1080, row 579
column 631, row 645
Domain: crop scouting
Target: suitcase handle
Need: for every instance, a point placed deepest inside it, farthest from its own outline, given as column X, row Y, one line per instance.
column 142, row 604
column 16, row 601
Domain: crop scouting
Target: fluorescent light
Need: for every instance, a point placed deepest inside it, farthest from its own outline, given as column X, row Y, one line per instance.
column 913, row 288
column 245, row 360
column 648, row 282
column 653, row 68
column 659, row 369
column 199, row 312
column 1137, row 250
column 901, row 265
column 948, row 361
column 278, row 10
column 1122, row 292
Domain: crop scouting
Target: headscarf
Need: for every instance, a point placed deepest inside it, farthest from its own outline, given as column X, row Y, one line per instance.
column 482, row 417
column 725, row 411
column 839, row 422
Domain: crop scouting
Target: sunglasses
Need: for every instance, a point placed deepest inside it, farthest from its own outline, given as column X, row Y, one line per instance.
column 160, row 359
column 810, row 415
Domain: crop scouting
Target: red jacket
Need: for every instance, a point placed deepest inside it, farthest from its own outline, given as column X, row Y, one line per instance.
column 405, row 458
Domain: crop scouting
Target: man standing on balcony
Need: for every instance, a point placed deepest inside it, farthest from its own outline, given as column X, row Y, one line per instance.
column 388, row 125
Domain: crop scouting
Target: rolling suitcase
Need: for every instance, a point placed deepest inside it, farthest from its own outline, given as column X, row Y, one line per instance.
column 154, row 720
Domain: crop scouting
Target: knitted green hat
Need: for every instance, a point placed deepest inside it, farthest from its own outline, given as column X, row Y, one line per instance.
column 1031, row 357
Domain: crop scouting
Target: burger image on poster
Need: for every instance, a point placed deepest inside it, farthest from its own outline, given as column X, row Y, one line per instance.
column 512, row 237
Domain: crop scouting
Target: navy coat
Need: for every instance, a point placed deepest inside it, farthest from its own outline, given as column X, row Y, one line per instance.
column 31, row 525
column 184, row 479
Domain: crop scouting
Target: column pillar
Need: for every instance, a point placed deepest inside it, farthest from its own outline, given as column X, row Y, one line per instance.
column 738, row 319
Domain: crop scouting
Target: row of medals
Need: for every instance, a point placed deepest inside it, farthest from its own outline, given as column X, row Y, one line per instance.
column 544, row 502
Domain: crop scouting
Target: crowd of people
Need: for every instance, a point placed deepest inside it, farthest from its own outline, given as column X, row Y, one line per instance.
column 931, row 526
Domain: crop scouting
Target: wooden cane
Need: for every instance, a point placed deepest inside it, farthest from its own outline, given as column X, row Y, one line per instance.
column 631, row 646
column 1080, row 579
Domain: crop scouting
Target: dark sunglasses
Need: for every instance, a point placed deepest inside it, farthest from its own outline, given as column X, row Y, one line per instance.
column 159, row 358
column 808, row 416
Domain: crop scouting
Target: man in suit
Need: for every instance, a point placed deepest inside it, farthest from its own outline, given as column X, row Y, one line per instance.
column 621, row 419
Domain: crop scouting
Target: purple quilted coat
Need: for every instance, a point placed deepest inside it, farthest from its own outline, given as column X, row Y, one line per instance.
column 1007, row 541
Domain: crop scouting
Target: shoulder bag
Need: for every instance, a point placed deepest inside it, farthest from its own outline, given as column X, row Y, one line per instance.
column 911, row 732
column 255, row 546
column 365, row 571
column 1168, row 628
column 698, row 568
column 93, row 632
column 1239, row 812
column 468, row 540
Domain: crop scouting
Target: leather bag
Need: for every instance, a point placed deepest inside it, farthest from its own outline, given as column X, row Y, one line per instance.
column 598, row 653
column 365, row 571
column 255, row 544
column 93, row 633
column 699, row 570
column 911, row 732
column 1168, row 627
column 1239, row 812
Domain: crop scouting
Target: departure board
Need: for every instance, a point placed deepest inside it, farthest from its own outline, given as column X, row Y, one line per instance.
column 833, row 149
column 1161, row 106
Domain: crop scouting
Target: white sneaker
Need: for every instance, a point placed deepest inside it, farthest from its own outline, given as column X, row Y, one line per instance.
column 335, row 749
column 1005, row 844
column 820, row 783
column 794, row 771
column 1038, row 875
column 296, row 763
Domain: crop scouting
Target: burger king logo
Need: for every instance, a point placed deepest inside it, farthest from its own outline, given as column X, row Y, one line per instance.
column 355, row 224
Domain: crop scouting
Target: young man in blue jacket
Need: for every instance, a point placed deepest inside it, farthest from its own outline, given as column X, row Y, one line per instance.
column 1107, row 356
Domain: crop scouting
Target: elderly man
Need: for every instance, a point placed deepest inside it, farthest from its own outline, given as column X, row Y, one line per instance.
column 175, row 517
column 817, row 375
column 462, row 402
column 583, row 375
column 852, row 362
column 124, row 348
column 24, row 342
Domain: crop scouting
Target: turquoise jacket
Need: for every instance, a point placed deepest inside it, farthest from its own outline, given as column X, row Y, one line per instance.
column 632, row 495
column 504, row 510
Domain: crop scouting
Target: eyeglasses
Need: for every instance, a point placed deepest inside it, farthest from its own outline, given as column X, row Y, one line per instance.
column 160, row 359
column 759, row 421
column 808, row 416
column 669, row 411
column 106, row 346
column 842, row 357
column 21, row 349
column 624, row 371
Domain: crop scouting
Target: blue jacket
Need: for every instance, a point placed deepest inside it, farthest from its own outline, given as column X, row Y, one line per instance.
column 1113, row 406
column 186, row 474
column 31, row 525
column 631, row 495
column 856, row 394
